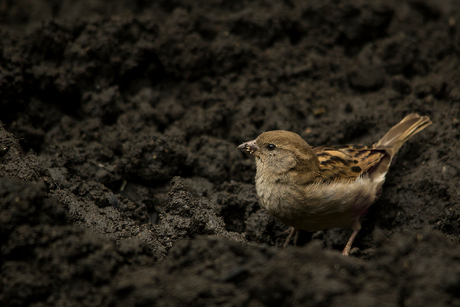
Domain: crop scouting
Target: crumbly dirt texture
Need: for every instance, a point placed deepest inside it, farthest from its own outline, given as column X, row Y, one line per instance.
column 120, row 182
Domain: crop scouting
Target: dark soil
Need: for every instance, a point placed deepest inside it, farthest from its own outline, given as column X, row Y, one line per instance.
column 120, row 182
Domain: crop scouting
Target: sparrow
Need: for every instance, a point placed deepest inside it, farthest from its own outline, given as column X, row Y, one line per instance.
column 317, row 188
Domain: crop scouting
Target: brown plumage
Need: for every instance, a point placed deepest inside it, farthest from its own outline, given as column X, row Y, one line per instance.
column 324, row 187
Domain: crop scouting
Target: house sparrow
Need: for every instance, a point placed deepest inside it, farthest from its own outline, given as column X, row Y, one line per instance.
column 316, row 188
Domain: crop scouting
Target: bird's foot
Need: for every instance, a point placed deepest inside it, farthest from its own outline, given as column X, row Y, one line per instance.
column 292, row 232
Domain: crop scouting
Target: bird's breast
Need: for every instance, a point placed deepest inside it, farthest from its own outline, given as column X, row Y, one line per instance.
column 318, row 205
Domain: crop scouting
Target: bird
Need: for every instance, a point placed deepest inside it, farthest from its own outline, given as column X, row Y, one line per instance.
column 323, row 187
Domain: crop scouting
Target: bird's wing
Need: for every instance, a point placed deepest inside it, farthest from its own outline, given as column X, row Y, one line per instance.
column 346, row 162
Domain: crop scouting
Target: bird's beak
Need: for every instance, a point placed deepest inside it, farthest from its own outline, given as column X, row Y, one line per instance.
column 249, row 147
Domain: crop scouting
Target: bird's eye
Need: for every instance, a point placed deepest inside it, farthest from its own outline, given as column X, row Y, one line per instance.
column 271, row 146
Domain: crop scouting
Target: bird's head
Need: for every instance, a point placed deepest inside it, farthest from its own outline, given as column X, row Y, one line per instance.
column 280, row 151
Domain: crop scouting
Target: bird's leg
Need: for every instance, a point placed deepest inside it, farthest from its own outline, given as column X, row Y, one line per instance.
column 293, row 231
column 284, row 232
column 356, row 228
column 296, row 237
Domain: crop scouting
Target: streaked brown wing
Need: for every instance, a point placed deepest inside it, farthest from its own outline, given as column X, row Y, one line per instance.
column 346, row 161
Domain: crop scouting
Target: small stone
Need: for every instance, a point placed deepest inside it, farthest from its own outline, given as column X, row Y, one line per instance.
column 449, row 172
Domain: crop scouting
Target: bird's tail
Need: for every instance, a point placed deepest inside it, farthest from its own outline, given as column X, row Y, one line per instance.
column 393, row 140
column 399, row 134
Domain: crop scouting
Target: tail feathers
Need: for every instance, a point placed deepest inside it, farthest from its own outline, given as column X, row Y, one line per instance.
column 393, row 140
column 399, row 134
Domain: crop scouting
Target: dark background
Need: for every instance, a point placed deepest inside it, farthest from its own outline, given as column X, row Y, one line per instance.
column 103, row 103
